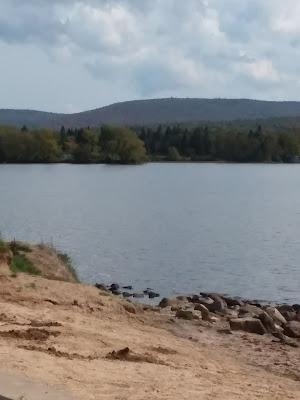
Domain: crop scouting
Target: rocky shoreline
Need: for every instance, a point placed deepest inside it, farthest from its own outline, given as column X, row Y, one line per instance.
column 232, row 313
column 280, row 320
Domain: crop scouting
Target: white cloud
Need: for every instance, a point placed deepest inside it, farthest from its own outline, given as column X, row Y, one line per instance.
column 261, row 70
column 121, row 49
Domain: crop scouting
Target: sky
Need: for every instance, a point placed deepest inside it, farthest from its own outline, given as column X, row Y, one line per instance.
column 74, row 55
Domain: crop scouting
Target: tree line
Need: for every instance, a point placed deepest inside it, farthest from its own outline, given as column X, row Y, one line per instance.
column 220, row 143
column 106, row 145
column 137, row 145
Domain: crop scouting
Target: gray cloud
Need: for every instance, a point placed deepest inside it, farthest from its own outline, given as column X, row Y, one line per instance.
column 119, row 49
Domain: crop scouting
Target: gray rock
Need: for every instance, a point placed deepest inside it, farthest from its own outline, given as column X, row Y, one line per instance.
column 204, row 312
column 126, row 294
column 251, row 325
column 292, row 329
column 114, row 286
column 296, row 307
column 250, row 310
column 289, row 315
column 153, row 295
column 218, row 305
column 129, row 287
column 101, row 286
column 138, row 295
column 285, row 307
column 233, row 301
column 166, row 302
column 276, row 315
column 267, row 322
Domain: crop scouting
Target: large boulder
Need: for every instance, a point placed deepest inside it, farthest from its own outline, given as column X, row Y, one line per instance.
column 296, row 307
column 201, row 300
column 276, row 315
column 292, row 329
column 268, row 322
column 250, row 310
column 204, row 312
column 218, row 304
column 289, row 315
column 233, row 301
column 285, row 307
column 251, row 325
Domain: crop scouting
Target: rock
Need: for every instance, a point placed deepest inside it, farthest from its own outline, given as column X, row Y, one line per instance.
column 202, row 300
column 138, row 295
column 165, row 302
column 101, row 286
column 148, row 290
column 251, row 310
column 233, row 301
column 255, row 303
column 114, row 286
column 267, row 322
column 276, row 315
column 184, row 314
column 152, row 295
column 218, row 304
column 204, row 312
column 127, row 294
column 297, row 317
column 289, row 315
column 292, row 329
column 251, row 325
column 129, row 287
column 296, row 307
column 284, row 339
column 285, row 307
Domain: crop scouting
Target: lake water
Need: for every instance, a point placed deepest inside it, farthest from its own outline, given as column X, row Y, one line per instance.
column 179, row 228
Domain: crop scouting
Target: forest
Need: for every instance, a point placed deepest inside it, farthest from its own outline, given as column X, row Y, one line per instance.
column 122, row 145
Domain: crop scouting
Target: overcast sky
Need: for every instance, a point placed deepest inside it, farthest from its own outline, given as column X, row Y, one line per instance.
column 69, row 55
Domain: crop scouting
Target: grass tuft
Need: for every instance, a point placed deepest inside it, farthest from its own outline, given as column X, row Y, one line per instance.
column 21, row 264
column 66, row 259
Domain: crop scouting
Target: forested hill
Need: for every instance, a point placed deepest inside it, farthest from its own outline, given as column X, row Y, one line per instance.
column 156, row 111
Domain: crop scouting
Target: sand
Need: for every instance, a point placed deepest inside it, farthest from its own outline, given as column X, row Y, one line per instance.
column 56, row 340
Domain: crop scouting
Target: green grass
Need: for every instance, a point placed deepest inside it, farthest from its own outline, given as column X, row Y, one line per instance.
column 21, row 264
column 68, row 263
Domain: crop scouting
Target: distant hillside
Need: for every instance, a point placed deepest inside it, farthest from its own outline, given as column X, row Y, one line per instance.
column 157, row 111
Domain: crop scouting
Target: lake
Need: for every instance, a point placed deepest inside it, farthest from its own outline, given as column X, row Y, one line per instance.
column 179, row 228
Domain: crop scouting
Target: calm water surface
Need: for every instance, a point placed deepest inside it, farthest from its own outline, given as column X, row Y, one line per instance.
column 178, row 228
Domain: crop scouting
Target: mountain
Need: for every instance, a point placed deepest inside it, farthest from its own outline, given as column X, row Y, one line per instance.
column 156, row 111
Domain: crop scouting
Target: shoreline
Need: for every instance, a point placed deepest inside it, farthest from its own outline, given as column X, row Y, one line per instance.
column 97, row 345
